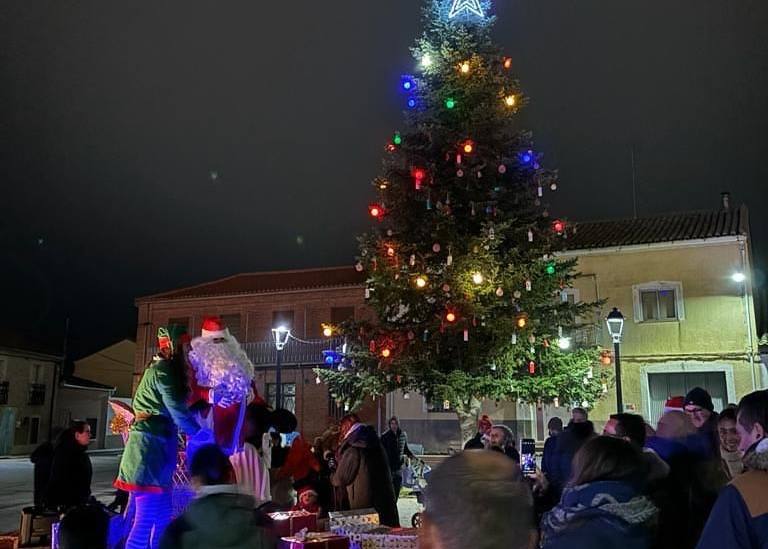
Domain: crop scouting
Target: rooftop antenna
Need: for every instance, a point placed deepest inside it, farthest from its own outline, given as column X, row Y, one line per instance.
column 634, row 183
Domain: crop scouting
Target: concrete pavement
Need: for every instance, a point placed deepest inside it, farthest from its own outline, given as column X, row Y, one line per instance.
column 16, row 485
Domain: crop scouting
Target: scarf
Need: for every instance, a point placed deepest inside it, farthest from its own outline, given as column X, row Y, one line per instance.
column 613, row 501
column 732, row 462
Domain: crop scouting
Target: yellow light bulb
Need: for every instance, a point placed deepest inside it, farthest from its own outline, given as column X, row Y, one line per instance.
column 477, row 278
column 385, row 353
column 510, row 100
column 465, row 67
column 421, row 282
column 327, row 331
column 521, row 322
column 450, row 317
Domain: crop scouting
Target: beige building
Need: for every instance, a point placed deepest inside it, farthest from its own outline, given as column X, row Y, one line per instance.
column 111, row 366
column 689, row 320
column 26, row 398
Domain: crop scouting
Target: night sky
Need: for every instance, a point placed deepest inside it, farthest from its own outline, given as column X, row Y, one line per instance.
column 148, row 146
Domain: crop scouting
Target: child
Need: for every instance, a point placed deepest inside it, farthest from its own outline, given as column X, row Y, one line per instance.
column 307, row 497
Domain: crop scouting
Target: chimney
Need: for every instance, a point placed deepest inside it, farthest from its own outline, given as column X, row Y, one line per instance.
column 726, row 196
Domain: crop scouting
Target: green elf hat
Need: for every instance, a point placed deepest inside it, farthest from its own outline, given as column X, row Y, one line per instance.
column 169, row 337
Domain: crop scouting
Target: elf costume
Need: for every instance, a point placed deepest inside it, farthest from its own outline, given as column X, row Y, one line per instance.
column 149, row 459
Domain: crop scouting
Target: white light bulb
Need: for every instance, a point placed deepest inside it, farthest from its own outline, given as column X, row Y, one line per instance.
column 564, row 343
column 738, row 277
column 426, row 61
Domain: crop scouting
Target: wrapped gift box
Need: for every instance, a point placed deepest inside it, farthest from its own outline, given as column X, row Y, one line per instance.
column 358, row 516
column 315, row 540
column 394, row 538
column 356, row 532
column 288, row 523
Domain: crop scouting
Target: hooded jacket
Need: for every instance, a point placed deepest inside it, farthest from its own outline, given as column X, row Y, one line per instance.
column 604, row 514
column 71, row 472
column 363, row 470
column 739, row 519
column 220, row 519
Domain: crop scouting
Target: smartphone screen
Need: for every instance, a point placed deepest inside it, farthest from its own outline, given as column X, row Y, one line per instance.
column 528, row 456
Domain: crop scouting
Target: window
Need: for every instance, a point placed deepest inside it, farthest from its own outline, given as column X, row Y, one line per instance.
column 36, row 394
column 282, row 318
column 658, row 302
column 37, row 374
column 662, row 386
column 4, row 385
column 93, row 422
column 438, row 406
column 570, row 296
column 232, row 322
column 27, row 431
column 3, row 370
column 179, row 321
column 339, row 315
column 289, row 396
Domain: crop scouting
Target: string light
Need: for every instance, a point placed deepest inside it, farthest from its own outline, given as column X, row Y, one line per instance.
column 469, row 146
column 397, row 139
column 522, row 320
column 551, row 269
column 564, row 343
column 407, row 82
column 426, row 60
column 411, row 103
column 464, row 67
column 421, row 282
column 390, row 251
column 507, row 63
column 450, row 103
column 327, row 330
column 510, row 100
column 385, row 352
column 477, row 277
column 450, row 317
column 558, row 226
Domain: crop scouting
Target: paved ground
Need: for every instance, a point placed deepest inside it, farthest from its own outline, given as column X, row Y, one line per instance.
column 16, row 489
column 16, row 486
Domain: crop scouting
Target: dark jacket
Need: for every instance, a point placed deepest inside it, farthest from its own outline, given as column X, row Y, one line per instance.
column 364, row 471
column 42, row 457
column 224, row 520
column 739, row 519
column 550, row 447
column 567, row 444
column 396, row 447
column 603, row 514
column 71, row 472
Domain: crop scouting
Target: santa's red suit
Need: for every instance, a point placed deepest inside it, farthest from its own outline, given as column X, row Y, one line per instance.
column 216, row 356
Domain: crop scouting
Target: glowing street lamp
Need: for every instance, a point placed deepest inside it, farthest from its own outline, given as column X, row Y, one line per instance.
column 281, row 335
column 615, row 322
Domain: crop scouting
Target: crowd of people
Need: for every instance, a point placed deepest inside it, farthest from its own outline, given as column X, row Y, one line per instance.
column 699, row 479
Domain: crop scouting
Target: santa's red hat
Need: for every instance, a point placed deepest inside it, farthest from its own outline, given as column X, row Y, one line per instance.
column 307, row 490
column 674, row 404
column 214, row 327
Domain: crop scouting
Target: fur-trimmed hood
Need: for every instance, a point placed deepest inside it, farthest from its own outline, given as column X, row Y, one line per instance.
column 756, row 457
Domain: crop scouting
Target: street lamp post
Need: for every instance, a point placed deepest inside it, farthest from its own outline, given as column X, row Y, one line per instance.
column 281, row 335
column 615, row 322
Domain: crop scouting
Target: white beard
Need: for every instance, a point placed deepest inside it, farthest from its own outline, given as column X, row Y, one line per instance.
column 222, row 366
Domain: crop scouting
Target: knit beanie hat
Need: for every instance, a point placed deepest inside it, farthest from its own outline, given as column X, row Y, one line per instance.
column 699, row 397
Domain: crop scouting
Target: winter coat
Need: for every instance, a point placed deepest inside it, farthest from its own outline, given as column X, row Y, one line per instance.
column 300, row 463
column 396, row 447
column 739, row 519
column 547, row 458
column 42, row 457
column 149, row 458
column 364, row 471
column 71, row 472
column 707, row 476
column 220, row 519
column 567, row 444
column 603, row 514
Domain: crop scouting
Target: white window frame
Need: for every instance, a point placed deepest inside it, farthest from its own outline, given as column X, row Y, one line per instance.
column 565, row 292
column 658, row 285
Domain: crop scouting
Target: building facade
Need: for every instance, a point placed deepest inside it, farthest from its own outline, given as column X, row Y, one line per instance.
column 688, row 323
column 27, row 381
column 251, row 305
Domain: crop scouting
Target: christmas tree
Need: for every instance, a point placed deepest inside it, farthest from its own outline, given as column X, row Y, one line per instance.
column 461, row 265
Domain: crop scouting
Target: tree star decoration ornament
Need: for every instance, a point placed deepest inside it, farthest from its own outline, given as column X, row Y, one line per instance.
column 459, row 7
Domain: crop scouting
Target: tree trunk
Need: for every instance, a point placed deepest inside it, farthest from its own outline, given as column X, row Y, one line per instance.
column 468, row 414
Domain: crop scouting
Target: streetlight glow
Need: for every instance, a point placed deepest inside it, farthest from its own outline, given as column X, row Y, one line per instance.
column 738, row 277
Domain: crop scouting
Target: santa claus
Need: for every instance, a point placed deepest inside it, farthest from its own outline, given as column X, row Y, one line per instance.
column 222, row 376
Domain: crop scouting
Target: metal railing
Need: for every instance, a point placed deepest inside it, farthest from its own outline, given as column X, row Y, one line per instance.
column 296, row 351
column 36, row 394
column 586, row 336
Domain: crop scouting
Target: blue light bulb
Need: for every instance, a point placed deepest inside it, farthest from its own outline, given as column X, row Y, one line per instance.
column 407, row 82
column 411, row 103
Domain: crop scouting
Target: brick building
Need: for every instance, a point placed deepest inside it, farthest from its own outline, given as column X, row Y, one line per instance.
column 251, row 305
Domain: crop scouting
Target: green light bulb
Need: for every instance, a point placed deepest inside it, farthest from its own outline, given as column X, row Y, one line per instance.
column 550, row 268
column 450, row 103
column 397, row 139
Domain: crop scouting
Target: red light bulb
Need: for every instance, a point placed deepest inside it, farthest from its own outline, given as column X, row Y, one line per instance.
column 558, row 226
column 375, row 210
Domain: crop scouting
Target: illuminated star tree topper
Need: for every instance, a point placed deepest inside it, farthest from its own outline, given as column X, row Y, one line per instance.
column 466, row 7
